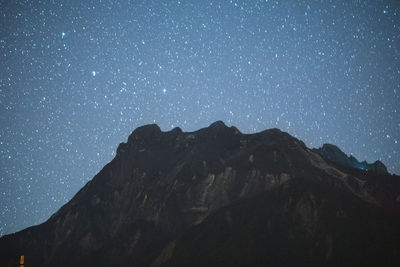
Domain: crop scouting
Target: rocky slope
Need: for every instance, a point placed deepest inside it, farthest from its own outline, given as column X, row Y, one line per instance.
column 157, row 202
column 302, row 223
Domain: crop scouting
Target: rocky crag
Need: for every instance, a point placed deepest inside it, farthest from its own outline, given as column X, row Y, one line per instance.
column 218, row 197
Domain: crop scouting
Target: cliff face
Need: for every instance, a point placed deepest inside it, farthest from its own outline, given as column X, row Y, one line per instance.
column 163, row 187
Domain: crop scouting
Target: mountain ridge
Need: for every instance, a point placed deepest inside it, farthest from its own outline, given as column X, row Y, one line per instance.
column 162, row 184
column 333, row 153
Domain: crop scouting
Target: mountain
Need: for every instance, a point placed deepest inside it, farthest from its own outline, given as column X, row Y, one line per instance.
column 334, row 154
column 218, row 197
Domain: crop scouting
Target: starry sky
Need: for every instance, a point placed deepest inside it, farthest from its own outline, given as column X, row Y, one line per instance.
column 77, row 77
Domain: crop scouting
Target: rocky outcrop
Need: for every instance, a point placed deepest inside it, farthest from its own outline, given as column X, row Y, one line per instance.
column 160, row 185
column 333, row 154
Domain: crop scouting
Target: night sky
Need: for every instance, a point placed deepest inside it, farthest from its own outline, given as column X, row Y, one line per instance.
column 77, row 77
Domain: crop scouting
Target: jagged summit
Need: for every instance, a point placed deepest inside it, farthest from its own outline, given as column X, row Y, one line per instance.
column 334, row 154
column 162, row 188
column 153, row 131
column 329, row 152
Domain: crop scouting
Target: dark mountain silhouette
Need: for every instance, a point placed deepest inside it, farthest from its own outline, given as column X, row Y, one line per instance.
column 217, row 197
column 334, row 154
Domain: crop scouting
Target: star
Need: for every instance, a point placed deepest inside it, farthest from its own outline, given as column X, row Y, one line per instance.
column 75, row 83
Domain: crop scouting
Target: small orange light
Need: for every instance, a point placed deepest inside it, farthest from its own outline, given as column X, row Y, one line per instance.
column 21, row 261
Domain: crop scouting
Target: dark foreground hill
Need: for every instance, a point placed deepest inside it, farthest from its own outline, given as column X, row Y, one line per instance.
column 217, row 197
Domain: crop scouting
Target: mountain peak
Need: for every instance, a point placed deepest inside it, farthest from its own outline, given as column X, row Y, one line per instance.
column 163, row 184
column 147, row 128
column 217, row 124
column 333, row 154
